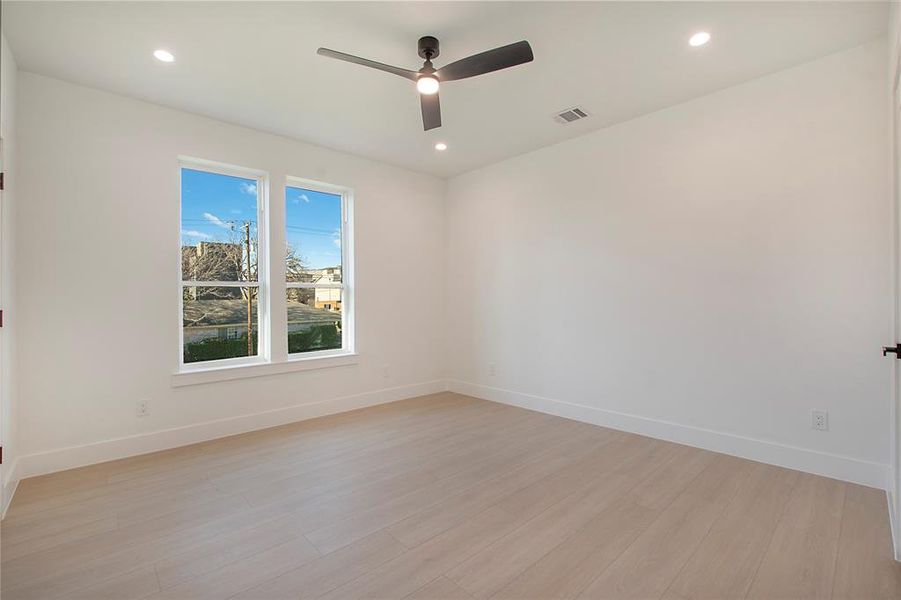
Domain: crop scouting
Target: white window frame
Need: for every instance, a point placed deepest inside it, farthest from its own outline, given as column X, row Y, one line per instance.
column 347, row 270
column 270, row 359
column 262, row 282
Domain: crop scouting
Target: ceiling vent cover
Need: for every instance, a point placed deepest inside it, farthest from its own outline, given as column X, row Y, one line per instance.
column 569, row 115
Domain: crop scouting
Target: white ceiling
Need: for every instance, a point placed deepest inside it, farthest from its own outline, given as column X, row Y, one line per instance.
column 255, row 64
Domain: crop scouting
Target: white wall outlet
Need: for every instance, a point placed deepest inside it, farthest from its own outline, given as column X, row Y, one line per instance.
column 143, row 408
column 492, row 370
column 819, row 420
column 386, row 372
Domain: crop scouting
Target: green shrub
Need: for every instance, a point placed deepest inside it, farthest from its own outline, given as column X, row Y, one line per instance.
column 320, row 337
column 216, row 348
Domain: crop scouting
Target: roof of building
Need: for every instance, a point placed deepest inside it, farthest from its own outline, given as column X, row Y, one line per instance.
column 233, row 312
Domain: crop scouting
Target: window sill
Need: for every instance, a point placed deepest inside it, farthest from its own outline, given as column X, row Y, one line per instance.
column 243, row 371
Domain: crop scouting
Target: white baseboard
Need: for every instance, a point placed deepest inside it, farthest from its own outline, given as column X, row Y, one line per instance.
column 801, row 459
column 9, row 486
column 51, row 461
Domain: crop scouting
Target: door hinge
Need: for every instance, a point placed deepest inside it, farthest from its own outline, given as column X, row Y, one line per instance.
column 896, row 350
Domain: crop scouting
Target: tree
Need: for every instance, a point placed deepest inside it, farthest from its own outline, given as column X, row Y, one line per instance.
column 233, row 259
column 296, row 272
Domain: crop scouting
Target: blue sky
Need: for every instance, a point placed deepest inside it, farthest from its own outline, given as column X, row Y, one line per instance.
column 313, row 223
column 212, row 204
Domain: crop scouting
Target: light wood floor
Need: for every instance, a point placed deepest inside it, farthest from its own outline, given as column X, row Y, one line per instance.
column 444, row 496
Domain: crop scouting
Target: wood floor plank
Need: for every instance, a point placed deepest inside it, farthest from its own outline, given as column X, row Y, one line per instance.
column 328, row 572
column 647, row 565
column 425, row 524
column 613, row 476
column 800, row 560
column 443, row 496
column 418, row 567
column 465, row 475
column 638, row 474
column 300, row 462
column 546, row 492
column 140, row 583
column 76, row 572
column 725, row 563
column 81, row 550
column 490, row 570
column 21, row 527
column 106, row 496
column 233, row 579
column 13, row 549
column 864, row 567
column 225, row 550
column 440, row 589
column 379, row 470
column 569, row 567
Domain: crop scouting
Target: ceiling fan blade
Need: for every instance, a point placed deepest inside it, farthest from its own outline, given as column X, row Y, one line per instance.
column 431, row 111
column 486, row 62
column 406, row 73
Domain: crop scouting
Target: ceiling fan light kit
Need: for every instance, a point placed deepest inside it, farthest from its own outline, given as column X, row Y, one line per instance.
column 428, row 79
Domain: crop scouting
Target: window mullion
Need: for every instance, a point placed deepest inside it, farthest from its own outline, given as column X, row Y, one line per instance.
column 278, row 319
column 312, row 286
column 236, row 284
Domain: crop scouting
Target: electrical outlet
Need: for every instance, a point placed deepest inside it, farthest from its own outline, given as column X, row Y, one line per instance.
column 492, row 371
column 143, row 408
column 819, row 420
column 386, row 372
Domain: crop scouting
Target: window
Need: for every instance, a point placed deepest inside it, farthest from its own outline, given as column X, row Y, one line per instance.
column 226, row 294
column 316, row 292
column 221, row 238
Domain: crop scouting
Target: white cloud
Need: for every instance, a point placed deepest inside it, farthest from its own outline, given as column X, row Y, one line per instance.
column 217, row 221
column 303, row 197
column 235, row 211
column 336, row 238
column 249, row 188
column 193, row 233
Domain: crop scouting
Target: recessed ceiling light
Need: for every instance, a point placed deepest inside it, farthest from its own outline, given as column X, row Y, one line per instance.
column 699, row 39
column 441, row 146
column 164, row 55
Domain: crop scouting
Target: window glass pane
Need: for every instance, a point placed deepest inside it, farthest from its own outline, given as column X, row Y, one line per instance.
column 218, row 227
column 314, row 319
column 314, row 236
column 216, row 321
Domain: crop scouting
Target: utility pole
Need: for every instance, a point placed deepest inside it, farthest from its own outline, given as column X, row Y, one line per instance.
column 249, row 292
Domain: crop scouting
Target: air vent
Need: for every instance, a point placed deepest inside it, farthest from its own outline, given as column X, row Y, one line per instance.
column 569, row 115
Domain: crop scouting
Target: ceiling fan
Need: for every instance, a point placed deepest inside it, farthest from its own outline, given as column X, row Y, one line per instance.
column 427, row 78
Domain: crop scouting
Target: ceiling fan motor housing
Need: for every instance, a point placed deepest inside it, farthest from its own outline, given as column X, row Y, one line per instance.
column 428, row 47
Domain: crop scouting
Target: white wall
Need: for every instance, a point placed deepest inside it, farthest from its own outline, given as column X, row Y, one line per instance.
column 8, row 381
column 708, row 273
column 98, row 251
